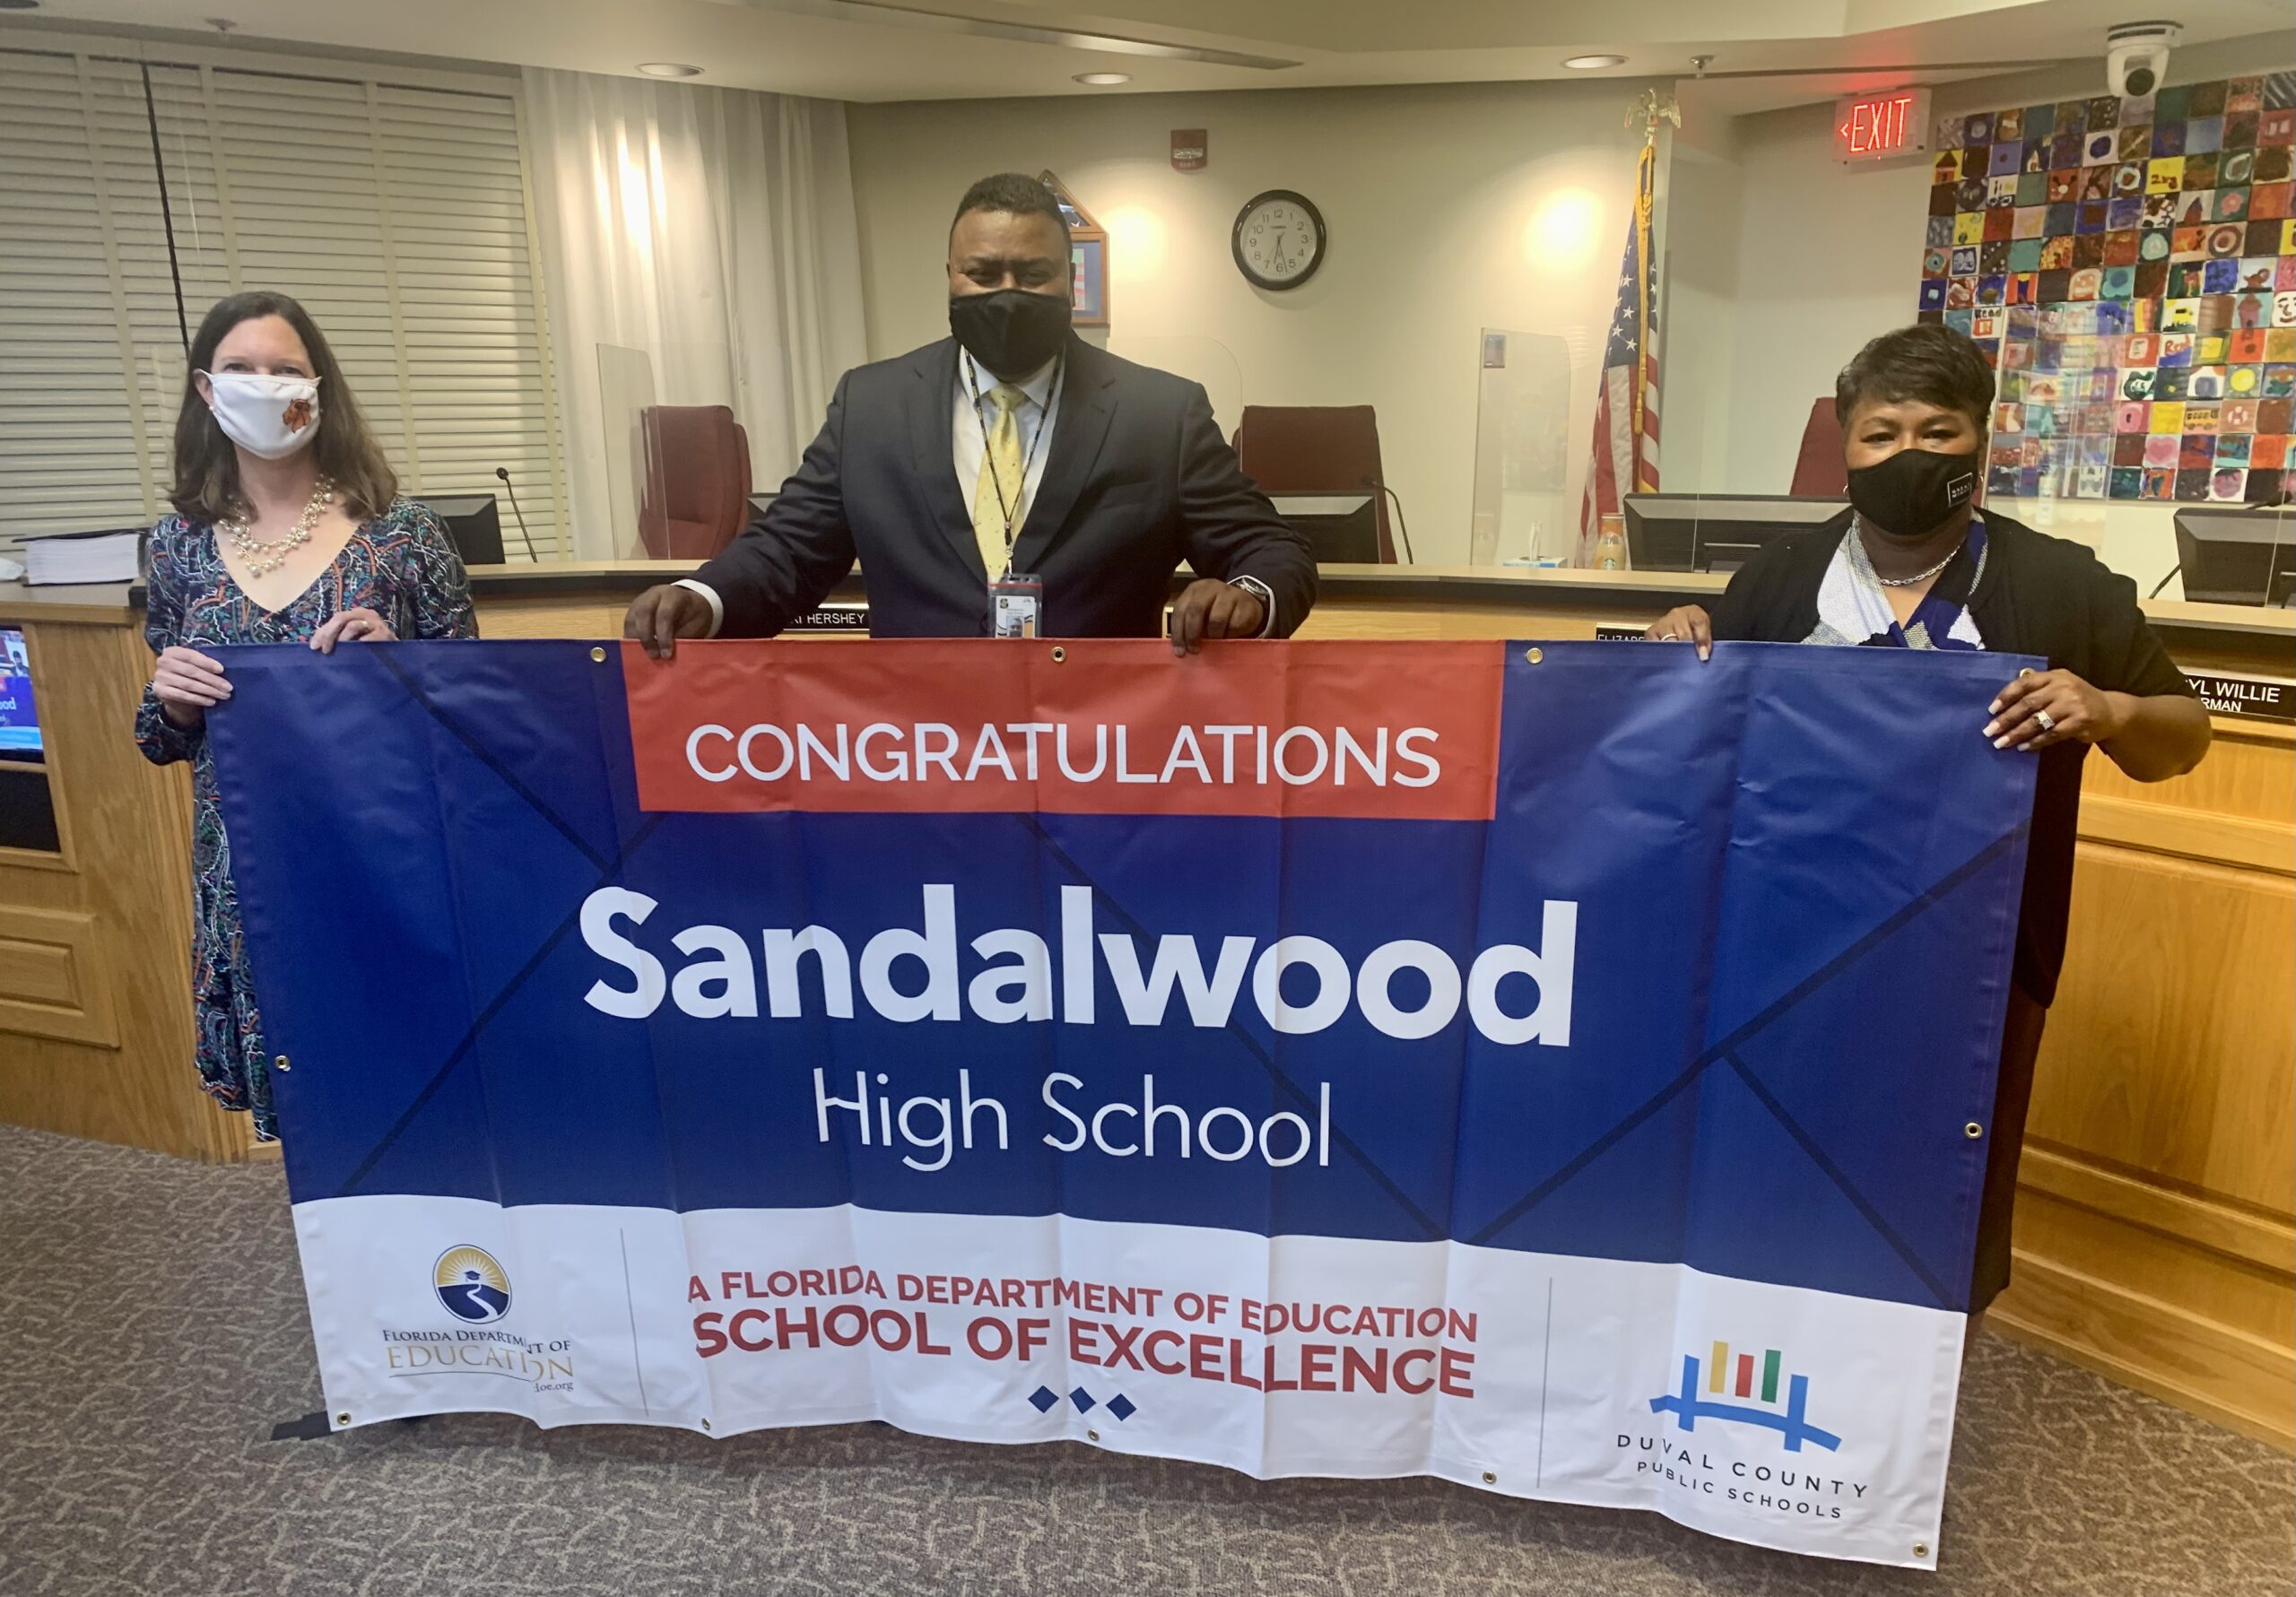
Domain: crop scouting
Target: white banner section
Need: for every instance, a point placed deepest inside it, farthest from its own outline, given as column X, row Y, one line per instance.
column 1793, row 1418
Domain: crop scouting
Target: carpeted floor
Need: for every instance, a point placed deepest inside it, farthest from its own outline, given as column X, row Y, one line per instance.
column 152, row 1329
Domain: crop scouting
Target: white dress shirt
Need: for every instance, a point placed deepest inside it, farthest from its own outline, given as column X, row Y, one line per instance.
column 974, row 413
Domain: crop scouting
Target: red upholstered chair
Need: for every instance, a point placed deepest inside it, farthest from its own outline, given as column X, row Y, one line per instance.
column 1324, row 449
column 697, row 481
column 1818, row 469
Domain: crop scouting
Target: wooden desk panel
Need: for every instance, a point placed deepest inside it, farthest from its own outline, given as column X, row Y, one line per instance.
column 2156, row 1224
column 95, row 940
column 545, row 617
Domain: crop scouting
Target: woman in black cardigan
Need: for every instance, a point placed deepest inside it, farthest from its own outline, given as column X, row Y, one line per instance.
column 1921, row 565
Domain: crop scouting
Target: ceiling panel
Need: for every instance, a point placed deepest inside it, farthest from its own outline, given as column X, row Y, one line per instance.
column 885, row 51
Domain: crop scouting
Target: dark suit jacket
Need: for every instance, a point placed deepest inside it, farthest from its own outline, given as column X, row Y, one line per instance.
column 1136, row 479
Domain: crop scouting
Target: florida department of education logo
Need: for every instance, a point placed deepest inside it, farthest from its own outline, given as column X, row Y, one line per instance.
column 471, row 1286
column 1706, row 1394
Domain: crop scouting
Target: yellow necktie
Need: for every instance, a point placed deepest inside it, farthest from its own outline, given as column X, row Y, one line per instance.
column 1003, row 476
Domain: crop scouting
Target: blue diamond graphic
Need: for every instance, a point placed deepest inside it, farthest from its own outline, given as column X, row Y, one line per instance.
column 1044, row 1397
column 1123, row 1407
column 1082, row 1399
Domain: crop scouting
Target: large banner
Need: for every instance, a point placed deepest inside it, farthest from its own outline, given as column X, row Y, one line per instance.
column 1562, row 1069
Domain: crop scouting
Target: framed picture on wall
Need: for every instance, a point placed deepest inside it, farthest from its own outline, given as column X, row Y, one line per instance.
column 1089, row 278
column 1088, row 258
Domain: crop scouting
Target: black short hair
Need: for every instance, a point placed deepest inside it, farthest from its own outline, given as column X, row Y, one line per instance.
column 1016, row 192
column 1929, row 362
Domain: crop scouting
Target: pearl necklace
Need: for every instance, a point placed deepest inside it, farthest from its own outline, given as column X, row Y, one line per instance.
column 263, row 558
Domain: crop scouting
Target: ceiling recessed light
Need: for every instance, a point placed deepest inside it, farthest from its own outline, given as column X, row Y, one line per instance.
column 1104, row 80
column 668, row 69
column 1594, row 63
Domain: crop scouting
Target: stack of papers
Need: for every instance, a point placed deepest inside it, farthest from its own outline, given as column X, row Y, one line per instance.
column 82, row 556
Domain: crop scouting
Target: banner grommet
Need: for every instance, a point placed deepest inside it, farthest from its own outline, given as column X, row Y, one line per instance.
column 1058, row 653
column 598, row 654
column 1535, row 655
column 1092, row 1435
column 343, row 1417
column 1972, row 1131
column 279, row 1062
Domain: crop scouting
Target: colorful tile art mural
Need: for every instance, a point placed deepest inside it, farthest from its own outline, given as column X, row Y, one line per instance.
column 2129, row 266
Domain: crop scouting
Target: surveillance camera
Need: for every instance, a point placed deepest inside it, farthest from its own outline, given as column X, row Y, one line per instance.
column 2136, row 57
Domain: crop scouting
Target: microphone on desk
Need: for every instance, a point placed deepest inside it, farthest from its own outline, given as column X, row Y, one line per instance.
column 2165, row 581
column 503, row 471
column 1409, row 558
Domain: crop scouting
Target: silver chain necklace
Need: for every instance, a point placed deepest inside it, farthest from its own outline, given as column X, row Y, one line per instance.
column 1915, row 580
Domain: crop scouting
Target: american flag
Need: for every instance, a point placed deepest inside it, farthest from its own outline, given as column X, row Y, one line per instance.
column 1626, row 407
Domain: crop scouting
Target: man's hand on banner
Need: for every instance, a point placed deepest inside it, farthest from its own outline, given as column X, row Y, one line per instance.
column 186, row 682
column 1209, row 608
column 660, row 616
column 1687, row 624
column 357, row 625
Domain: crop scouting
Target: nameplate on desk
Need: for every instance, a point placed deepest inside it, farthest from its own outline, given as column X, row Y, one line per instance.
column 1618, row 632
column 832, row 618
column 2252, row 698
column 1319, row 504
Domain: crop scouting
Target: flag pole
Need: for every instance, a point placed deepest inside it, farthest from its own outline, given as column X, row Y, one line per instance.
column 1624, row 460
column 1650, row 107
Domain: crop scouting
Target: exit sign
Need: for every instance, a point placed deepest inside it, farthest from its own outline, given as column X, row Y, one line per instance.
column 1869, row 127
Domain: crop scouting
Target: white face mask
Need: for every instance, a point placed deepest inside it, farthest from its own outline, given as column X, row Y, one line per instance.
column 269, row 417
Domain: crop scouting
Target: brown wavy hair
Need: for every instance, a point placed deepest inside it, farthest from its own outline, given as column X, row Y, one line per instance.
column 207, row 467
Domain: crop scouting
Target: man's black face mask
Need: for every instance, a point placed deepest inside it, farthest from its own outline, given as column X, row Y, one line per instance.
column 1011, row 332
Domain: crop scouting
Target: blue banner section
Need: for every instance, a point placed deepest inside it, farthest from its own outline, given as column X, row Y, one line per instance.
column 1720, row 983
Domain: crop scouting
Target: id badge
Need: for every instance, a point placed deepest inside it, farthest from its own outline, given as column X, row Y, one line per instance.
column 1016, row 605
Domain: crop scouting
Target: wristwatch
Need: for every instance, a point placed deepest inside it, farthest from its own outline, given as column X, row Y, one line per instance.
column 1266, row 597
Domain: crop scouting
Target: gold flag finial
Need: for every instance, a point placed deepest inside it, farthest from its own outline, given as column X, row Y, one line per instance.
column 1650, row 107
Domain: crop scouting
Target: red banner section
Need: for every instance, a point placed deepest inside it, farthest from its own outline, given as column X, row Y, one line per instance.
column 1392, row 730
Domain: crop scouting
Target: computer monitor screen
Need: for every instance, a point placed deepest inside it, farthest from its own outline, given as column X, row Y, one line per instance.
column 2237, row 554
column 19, row 721
column 1712, row 531
column 474, row 522
column 1341, row 529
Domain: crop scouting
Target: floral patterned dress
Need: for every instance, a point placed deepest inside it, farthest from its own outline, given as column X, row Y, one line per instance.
column 400, row 565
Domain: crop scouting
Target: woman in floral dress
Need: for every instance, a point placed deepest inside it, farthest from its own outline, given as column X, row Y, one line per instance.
column 288, row 529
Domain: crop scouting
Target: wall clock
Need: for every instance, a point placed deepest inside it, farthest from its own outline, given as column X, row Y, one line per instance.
column 1279, row 239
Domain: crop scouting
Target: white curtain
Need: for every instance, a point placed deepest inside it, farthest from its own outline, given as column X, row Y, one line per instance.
column 712, row 230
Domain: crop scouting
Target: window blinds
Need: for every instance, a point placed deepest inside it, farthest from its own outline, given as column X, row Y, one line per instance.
column 397, row 214
column 84, row 290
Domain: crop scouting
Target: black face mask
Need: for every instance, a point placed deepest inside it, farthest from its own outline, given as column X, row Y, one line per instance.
column 1911, row 494
column 1011, row 332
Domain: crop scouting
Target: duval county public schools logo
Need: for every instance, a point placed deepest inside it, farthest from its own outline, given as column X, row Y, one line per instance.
column 1758, row 1386
column 471, row 1286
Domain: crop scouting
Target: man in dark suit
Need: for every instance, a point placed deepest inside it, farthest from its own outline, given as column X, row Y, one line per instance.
column 1011, row 451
